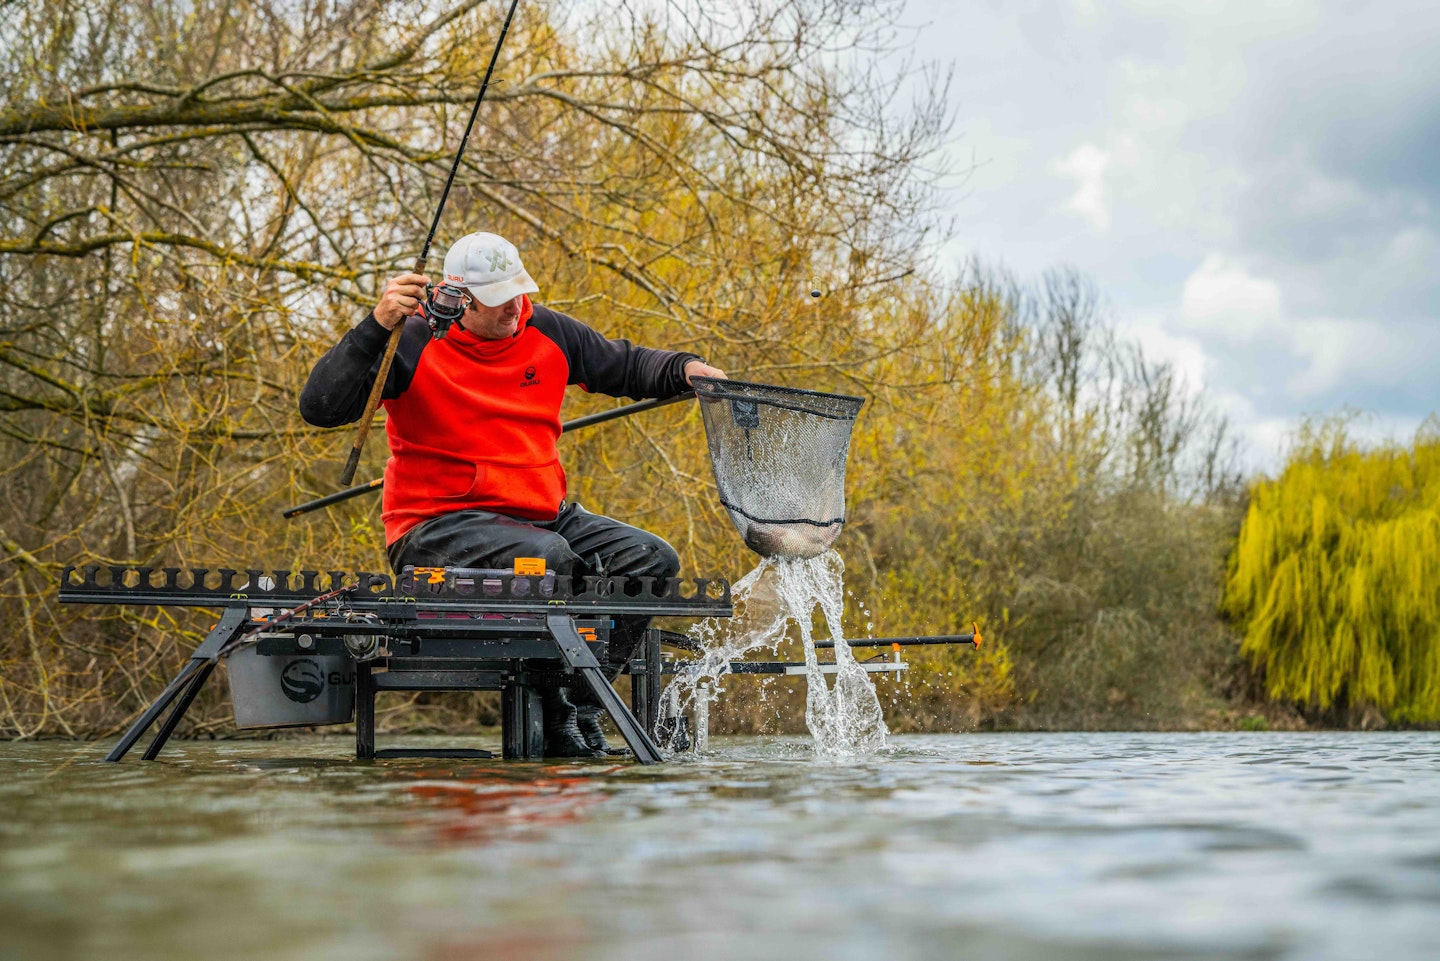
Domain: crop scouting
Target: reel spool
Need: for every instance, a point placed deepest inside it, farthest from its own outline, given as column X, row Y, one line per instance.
column 443, row 306
column 362, row 647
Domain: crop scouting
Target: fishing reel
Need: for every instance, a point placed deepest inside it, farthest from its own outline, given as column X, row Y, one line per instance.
column 444, row 303
column 363, row 647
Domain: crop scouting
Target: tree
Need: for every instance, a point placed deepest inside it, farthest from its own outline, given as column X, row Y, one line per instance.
column 1333, row 579
column 196, row 198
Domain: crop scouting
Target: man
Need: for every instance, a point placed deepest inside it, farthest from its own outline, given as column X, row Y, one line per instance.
column 474, row 476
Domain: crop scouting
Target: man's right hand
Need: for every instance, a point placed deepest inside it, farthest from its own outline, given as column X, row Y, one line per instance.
column 403, row 296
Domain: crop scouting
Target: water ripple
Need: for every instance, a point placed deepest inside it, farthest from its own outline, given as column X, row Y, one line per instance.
column 1113, row 846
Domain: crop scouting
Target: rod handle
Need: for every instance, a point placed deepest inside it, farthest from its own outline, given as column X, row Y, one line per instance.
column 367, row 419
column 351, row 463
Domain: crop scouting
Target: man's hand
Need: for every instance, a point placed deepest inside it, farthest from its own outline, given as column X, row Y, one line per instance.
column 402, row 298
column 698, row 368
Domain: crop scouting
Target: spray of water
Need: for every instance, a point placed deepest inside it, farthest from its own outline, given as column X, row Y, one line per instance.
column 844, row 718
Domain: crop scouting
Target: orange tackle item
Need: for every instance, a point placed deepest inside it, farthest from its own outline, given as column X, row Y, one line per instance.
column 429, row 575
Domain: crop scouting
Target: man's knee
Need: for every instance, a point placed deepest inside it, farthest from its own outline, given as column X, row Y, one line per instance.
column 667, row 561
column 646, row 556
column 479, row 539
column 559, row 558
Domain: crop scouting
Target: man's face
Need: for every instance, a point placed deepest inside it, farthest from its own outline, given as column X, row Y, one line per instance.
column 492, row 323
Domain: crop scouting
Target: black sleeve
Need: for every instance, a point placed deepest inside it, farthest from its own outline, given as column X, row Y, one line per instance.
column 614, row 367
column 340, row 384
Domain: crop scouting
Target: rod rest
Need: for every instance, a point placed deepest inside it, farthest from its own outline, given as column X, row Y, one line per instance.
column 382, row 593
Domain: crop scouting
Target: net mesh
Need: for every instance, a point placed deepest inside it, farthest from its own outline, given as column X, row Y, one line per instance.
column 779, row 457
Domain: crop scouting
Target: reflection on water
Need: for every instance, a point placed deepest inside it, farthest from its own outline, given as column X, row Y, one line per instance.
column 1013, row 846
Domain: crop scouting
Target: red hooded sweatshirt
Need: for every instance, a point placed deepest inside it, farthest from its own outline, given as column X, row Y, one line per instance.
column 472, row 423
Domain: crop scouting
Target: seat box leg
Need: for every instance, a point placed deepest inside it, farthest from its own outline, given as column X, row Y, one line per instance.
column 522, row 723
column 364, row 711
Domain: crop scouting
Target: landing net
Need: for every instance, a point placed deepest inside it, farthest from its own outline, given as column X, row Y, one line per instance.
column 779, row 456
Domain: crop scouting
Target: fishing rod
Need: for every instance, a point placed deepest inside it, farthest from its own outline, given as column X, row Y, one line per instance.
column 445, row 303
column 588, row 420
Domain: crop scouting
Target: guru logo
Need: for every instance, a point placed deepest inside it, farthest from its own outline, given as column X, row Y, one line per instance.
column 529, row 380
column 302, row 680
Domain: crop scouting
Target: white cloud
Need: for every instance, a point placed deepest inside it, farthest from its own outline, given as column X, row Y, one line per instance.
column 1185, row 355
column 1316, row 195
column 1221, row 297
column 1287, row 150
column 1414, row 248
column 1336, row 352
column 1346, row 357
column 1086, row 165
column 1263, row 439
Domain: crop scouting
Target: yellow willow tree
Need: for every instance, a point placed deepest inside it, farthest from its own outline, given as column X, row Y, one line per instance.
column 1334, row 578
column 196, row 199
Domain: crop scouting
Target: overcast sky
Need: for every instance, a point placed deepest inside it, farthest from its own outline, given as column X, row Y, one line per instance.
column 1252, row 186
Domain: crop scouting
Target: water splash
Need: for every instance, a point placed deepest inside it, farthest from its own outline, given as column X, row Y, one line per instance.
column 844, row 717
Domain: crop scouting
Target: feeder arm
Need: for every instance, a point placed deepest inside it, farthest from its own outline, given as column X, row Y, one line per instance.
column 971, row 638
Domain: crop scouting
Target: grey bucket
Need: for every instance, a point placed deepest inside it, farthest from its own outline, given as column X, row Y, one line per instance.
column 290, row 690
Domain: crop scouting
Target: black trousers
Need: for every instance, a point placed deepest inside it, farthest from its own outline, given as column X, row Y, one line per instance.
column 576, row 542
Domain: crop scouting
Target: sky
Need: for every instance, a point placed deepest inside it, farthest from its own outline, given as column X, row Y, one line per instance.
column 1252, row 186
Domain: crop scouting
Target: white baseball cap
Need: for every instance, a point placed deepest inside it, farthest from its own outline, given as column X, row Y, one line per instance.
column 489, row 267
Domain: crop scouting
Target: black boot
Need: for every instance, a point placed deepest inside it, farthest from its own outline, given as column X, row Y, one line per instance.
column 562, row 733
column 588, row 721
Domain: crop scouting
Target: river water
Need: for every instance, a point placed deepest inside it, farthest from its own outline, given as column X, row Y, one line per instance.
column 1058, row 846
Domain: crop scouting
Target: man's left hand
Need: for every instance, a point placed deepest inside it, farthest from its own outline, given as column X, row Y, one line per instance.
column 698, row 368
